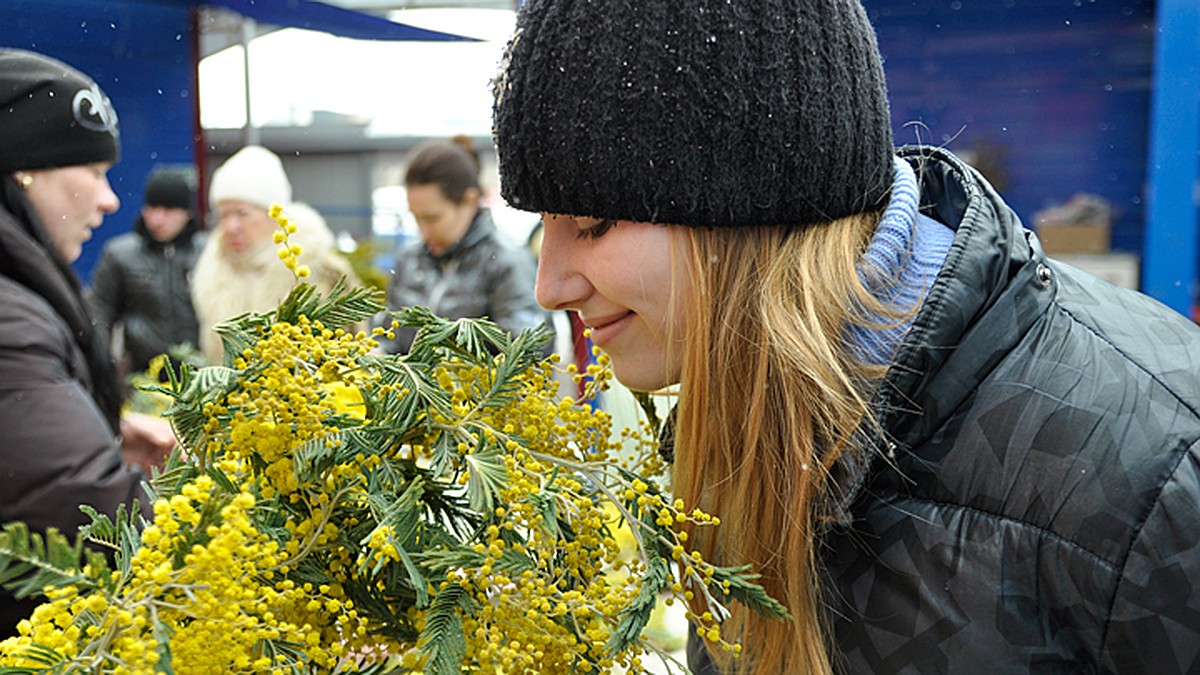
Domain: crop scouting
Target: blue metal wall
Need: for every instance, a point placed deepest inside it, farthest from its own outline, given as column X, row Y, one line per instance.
column 1169, row 271
column 1056, row 91
column 140, row 54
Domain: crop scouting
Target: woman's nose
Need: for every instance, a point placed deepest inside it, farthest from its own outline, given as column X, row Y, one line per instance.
column 561, row 283
column 545, row 289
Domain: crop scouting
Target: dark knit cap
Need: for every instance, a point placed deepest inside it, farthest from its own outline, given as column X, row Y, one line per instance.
column 169, row 188
column 709, row 113
column 52, row 115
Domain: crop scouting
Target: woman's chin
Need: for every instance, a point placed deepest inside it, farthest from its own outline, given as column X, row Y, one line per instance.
column 639, row 377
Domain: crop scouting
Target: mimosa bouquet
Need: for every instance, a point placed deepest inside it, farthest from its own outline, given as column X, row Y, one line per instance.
column 331, row 509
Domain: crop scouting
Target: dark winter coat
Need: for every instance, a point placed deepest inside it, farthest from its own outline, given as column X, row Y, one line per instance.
column 479, row 276
column 58, row 404
column 1040, row 508
column 144, row 285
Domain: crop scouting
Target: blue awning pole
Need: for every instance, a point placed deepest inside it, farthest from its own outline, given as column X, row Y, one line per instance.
column 1170, row 271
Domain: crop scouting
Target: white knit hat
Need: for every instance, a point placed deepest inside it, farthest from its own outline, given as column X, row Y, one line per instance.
column 253, row 174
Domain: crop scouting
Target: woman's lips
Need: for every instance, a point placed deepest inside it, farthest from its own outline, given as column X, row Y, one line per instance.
column 605, row 330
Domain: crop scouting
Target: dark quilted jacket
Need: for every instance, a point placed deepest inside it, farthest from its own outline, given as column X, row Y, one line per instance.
column 145, row 285
column 1040, row 512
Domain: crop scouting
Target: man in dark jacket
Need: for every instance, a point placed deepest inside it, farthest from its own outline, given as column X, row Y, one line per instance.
column 142, row 282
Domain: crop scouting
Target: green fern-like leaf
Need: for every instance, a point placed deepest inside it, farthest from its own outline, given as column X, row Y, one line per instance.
column 403, row 516
column 121, row 534
column 633, row 618
column 317, row 456
column 162, row 636
column 239, row 334
column 487, row 475
column 742, row 587
column 443, row 641
column 470, row 338
column 301, row 301
column 421, row 396
column 29, row 562
column 195, row 389
column 346, row 305
column 547, row 506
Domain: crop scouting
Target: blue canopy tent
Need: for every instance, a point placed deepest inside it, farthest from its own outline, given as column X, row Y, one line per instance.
column 145, row 55
column 312, row 15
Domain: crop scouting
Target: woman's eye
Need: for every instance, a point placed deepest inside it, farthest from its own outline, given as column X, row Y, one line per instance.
column 597, row 229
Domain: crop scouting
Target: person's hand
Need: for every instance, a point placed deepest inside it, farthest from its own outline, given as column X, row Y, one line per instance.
column 146, row 440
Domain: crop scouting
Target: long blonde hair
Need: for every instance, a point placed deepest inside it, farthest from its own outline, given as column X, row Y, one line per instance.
column 770, row 397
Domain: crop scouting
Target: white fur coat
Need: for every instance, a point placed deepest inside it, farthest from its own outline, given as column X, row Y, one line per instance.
column 224, row 286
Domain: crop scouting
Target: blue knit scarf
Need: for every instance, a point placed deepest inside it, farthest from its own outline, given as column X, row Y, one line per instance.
column 899, row 266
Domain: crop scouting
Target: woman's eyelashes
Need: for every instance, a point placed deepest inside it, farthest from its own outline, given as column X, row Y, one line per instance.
column 596, row 229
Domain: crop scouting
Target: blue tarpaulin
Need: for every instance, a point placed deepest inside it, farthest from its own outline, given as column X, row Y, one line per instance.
column 312, row 15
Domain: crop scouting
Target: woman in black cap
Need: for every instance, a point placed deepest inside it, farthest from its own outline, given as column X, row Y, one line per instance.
column 60, row 427
column 945, row 452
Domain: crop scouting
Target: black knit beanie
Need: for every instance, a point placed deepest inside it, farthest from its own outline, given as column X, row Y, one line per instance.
column 170, row 189
column 708, row 113
column 52, row 115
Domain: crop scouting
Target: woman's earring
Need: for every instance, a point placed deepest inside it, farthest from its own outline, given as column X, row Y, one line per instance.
column 24, row 179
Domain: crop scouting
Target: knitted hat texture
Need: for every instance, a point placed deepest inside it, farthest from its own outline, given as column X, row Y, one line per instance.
column 708, row 113
column 254, row 175
column 52, row 115
column 169, row 188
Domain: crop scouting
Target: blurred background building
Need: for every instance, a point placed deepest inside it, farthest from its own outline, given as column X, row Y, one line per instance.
column 1084, row 113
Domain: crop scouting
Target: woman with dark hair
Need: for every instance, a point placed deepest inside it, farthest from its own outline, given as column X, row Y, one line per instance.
column 61, row 430
column 459, row 268
column 944, row 451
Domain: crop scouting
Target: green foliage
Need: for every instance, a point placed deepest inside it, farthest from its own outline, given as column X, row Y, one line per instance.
column 362, row 261
column 742, row 587
column 635, row 615
column 31, row 562
column 442, row 640
column 409, row 515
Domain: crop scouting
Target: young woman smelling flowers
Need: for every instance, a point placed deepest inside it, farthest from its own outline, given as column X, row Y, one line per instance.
column 944, row 451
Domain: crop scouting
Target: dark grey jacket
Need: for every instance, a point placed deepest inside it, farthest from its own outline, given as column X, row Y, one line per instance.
column 1040, row 510
column 477, row 277
column 58, row 405
column 145, row 286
